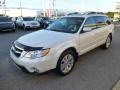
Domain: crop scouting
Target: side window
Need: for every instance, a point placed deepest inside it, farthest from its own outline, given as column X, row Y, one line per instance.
column 18, row 18
column 100, row 21
column 107, row 20
column 90, row 22
column 13, row 19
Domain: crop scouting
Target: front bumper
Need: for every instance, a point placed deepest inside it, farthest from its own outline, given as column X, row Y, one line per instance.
column 7, row 29
column 32, row 26
column 38, row 65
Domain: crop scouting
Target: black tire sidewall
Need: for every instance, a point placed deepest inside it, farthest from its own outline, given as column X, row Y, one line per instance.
column 58, row 68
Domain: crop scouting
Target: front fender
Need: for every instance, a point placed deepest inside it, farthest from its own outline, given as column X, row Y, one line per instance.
column 60, row 49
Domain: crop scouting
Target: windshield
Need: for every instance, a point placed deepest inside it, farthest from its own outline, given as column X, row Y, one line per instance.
column 28, row 19
column 4, row 19
column 66, row 24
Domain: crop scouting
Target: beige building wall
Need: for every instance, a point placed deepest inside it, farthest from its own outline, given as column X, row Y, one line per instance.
column 116, row 15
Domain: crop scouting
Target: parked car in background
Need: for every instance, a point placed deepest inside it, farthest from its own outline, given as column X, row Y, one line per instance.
column 51, row 21
column 27, row 23
column 44, row 21
column 14, row 20
column 116, row 20
column 59, row 45
column 6, row 24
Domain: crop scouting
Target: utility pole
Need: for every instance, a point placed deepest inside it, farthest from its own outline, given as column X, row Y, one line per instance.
column 53, row 4
column 21, row 7
column 82, row 6
column 4, row 7
column 54, row 10
column 0, row 3
column 44, row 8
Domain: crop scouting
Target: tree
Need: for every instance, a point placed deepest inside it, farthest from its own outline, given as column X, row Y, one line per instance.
column 110, row 14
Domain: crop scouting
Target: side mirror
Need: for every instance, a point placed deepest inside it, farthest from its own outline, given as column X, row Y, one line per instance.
column 87, row 29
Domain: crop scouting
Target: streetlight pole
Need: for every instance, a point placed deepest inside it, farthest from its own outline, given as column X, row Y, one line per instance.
column 53, row 4
column 82, row 6
column 21, row 7
column 4, row 4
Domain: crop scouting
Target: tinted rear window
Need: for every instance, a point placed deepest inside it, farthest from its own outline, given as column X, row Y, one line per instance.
column 4, row 19
column 28, row 19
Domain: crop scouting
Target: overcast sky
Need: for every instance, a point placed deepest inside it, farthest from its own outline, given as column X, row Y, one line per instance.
column 88, row 5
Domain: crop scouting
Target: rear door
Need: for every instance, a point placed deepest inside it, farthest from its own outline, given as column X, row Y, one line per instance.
column 87, row 39
column 102, row 29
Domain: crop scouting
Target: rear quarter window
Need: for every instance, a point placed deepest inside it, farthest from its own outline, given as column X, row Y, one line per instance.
column 100, row 21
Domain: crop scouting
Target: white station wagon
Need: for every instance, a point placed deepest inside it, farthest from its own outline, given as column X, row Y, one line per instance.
column 58, row 46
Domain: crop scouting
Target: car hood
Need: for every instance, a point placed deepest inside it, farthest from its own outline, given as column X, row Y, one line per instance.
column 44, row 38
column 6, row 23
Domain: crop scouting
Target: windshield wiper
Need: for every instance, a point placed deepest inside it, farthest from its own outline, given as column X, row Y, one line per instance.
column 55, row 30
column 58, row 30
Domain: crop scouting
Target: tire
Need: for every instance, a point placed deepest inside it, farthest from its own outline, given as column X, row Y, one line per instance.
column 17, row 26
column 44, row 26
column 24, row 27
column 64, row 68
column 14, row 30
column 108, row 42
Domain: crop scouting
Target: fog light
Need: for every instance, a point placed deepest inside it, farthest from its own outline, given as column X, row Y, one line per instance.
column 35, row 70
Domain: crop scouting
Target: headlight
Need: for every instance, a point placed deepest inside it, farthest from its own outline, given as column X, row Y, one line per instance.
column 37, row 53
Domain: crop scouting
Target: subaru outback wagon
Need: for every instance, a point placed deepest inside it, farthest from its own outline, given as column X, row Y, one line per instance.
column 59, row 45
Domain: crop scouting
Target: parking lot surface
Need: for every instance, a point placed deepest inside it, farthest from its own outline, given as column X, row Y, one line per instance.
column 97, row 70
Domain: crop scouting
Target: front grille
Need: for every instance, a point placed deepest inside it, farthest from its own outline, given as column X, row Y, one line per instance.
column 6, row 25
column 17, row 51
column 34, row 23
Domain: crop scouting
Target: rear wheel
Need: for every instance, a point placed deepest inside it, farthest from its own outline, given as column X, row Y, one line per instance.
column 66, row 62
column 13, row 30
column 108, row 42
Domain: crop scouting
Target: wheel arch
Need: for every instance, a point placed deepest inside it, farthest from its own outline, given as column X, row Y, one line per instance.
column 111, row 36
column 72, row 49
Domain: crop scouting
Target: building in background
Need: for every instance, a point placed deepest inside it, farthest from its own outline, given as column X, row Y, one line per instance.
column 117, row 13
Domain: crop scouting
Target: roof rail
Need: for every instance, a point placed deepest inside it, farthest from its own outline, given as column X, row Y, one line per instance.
column 89, row 13
column 74, row 13
column 86, row 13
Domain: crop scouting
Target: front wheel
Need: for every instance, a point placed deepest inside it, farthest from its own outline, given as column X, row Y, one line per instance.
column 66, row 63
column 14, row 30
column 108, row 42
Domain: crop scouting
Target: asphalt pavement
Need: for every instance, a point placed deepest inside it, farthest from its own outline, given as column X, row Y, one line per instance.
column 96, row 70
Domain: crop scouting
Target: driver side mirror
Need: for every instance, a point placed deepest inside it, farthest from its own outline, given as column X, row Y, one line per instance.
column 87, row 29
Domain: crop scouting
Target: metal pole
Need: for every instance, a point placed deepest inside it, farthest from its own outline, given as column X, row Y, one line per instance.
column 4, row 3
column 56, row 13
column 53, row 3
column 21, row 7
column 44, row 10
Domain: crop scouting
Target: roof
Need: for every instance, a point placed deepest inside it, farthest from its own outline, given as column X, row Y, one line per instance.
column 85, row 15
